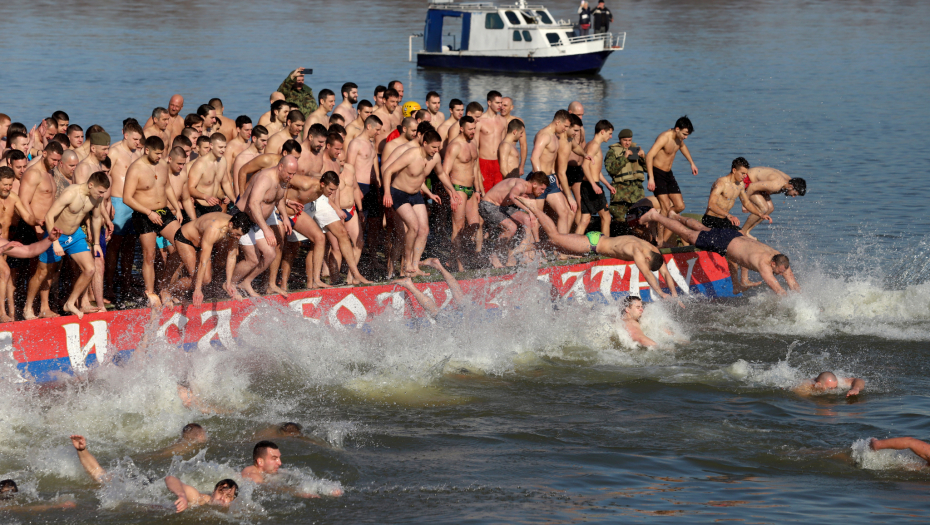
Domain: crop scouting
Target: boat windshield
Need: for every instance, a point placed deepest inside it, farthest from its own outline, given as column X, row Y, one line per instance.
column 544, row 17
column 529, row 16
column 512, row 18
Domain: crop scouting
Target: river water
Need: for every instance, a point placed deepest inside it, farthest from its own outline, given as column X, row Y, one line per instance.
column 539, row 414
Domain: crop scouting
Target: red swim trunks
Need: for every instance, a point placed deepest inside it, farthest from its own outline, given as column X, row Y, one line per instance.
column 393, row 135
column 490, row 172
column 746, row 181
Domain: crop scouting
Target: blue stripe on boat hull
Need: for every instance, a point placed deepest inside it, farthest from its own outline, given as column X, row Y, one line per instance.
column 586, row 63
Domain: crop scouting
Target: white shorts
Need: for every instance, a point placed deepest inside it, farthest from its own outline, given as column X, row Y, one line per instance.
column 324, row 215
column 256, row 233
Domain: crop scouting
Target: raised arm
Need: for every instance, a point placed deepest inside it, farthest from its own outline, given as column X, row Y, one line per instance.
column 88, row 461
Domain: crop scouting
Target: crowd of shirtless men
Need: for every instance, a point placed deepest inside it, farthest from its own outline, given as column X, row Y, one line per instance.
column 205, row 194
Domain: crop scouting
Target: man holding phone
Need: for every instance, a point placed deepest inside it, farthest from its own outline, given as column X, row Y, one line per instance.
column 297, row 94
column 626, row 163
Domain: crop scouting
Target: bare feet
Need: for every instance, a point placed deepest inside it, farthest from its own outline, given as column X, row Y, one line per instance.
column 167, row 299
column 406, row 282
column 232, row 291
column 495, row 261
column 89, row 309
column 247, row 288
column 28, row 315
column 5, row 318
column 278, row 290
column 435, row 263
column 750, row 236
column 649, row 216
column 154, row 301
column 318, row 284
column 70, row 307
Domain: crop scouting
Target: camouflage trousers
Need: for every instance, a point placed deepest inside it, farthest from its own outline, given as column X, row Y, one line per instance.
column 628, row 192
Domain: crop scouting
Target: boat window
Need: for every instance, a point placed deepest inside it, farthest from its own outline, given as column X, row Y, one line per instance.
column 529, row 17
column 544, row 16
column 554, row 39
column 527, row 36
column 493, row 21
column 570, row 36
column 516, row 36
column 512, row 17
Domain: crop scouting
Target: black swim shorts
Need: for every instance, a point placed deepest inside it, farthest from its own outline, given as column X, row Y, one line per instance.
column 143, row 224
column 665, row 182
column 401, row 197
column 716, row 222
column 574, row 174
column 716, row 240
column 591, row 202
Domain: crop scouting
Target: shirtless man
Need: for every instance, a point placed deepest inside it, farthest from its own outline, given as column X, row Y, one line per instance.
column 37, row 192
column 195, row 243
column 268, row 116
column 239, row 142
column 121, row 246
column 349, row 97
column 632, row 312
column 263, row 199
column 206, row 173
column 828, row 381
column 467, row 186
column 387, row 114
column 507, row 155
column 211, row 124
column 267, row 160
column 64, row 173
column 593, row 199
column 11, row 208
column 67, row 213
column 645, row 256
column 506, row 112
column 490, row 132
column 307, row 225
column 355, row 126
column 332, row 153
column 327, row 101
column 659, row 161
column 456, row 112
column 99, row 149
column 571, row 146
column 266, row 460
column 293, row 130
column 76, row 138
column 473, row 110
column 159, row 125
column 226, row 125
column 346, row 232
column 545, row 147
column 723, row 195
column 738, row 250
column 379, row 96
column 148, row 193
column 311, row 157
column 408, row 132
column 361, row 167
column 761, row 184
column 224, row 493
column 432, row 105
column 175, row 120
column 279, row 109
column 397, row 86
column 501, row 209
column 255, row 148
column 405, row 179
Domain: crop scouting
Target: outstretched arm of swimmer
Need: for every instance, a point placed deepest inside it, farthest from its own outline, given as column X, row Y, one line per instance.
column 637, row 334
column 916, row 446
column 663, row 271
column 428, row 304
column 639, row 258
column 792, row 283
column 185, row 493
column 769, row 278
column 457, row 294
column 856, row 385
column 88, row 461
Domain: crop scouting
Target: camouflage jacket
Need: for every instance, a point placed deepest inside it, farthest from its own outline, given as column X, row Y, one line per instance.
column 620, row 168
column 303, row 99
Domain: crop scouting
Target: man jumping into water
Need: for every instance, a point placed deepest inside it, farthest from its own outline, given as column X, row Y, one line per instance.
column 626, row 248
column 738, row 250
column 761, row 183
column 426, row 301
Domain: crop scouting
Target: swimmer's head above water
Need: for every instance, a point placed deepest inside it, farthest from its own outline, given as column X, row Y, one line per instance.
column 8, row 489
column 825, row 381
column 266, row 457
column 194, row 433
column 633, row 307
column 224, row 492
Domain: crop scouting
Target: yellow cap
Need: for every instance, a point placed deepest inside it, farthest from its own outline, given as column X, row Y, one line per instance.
column 410, row 108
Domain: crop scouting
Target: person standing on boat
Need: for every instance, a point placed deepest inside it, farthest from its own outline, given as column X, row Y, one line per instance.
column 602, row 18
column 584, row 19
column 723, row 196
column 507, row 155
column 461, row 163
column 506, row 112
column 627, row 167
column 489, row 131
column 659, row 167
column 456, row 110
column 545, row 147
column 432, row 105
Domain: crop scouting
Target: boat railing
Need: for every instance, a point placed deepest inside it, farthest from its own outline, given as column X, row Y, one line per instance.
column 610, row 40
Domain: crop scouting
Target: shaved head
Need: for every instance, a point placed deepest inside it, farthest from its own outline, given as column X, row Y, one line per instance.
column 575, row 108
column 69, row 155
column 827, row 379
column 277, row 95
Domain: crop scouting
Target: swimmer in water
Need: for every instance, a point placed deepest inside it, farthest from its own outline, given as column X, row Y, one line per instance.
column 828, row 381
column 192, row 437
column 632, row 311
column 921, row 448
column 266, row 460
column 288, row 430
column 427, row 302
column 224, row 492
column 8, row 491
